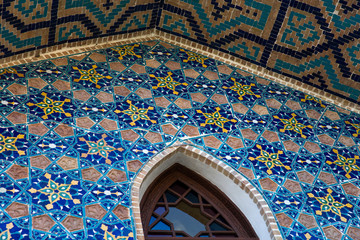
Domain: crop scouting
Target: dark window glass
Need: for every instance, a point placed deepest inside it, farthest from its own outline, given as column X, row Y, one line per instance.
column 171, row 198
column 192, row 197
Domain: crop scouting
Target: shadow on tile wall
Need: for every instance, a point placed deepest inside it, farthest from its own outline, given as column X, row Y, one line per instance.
column 75, row 131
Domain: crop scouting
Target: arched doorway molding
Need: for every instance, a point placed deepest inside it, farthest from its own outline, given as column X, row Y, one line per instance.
column 242, row 193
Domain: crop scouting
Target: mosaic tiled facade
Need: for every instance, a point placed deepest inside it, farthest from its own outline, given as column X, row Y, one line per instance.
column 27, row 25
column 76, row 130
column 315, row 42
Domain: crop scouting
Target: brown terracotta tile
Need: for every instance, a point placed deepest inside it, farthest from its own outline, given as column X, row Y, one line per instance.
column 117, row 66
column 249, row 134
column 313, row 114
column 261, row 110
column 90, row 174
column 291, row 146
column 292, row 186
column 39, row 161
column 191, row 131
column 134, row 165
column 327, row 178
column 224, row 69
column 72, row 223
column 219, row 99
column 42, row 223
column 18, row 172
column 81, row 95
column 268, row 184
column 234, row 142
column 16, row 210
column 153, row 137
column 270, row 136
column 326, row 139
column 60, row 61
column 144, row 93
column 307, row 220
column 346, row 141
column 97, row 57
column 121, row 212
column 262, row 81
column 84, row 122
column 108, row 124
column 342, row 110
column 198, row 97
column 211, row 75
column 61, row 85
column 17, row 89
column 243, row 73
column 105, row 97
column 78, row 57
column 167, row 46
column 169, row 129
column 351, row 189
column 183, row 103
column 152, row 63
column 354, row 233
column 332, row 233
column 95, row 211
column 64, row 130
column 191, row 73
column 37, row 129
column 122, row 91
column 150, row 43
column 211, row 141
column 312, row 147
column 138, row 68
column 306, row 177
column 273, row 103
column 117, row 175
column 240, row 108
column 36, row 83
column 129, row 135
column 284, row 220
column 332, row 115
column 17, row 118
column 173, row 65
column 247, row 172
column 162, row 102
column 293, row 105
column 67, row 163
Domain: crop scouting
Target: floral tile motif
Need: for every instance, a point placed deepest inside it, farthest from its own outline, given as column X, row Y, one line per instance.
column 241, row 89
column 76, row 130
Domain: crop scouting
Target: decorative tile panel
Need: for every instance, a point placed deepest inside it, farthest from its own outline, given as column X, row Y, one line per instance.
column 28, row 25
column 315, row 43
column 75, row 131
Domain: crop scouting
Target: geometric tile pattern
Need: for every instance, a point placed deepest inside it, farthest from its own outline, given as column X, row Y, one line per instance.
column 314, row 42
column 74, row 132
column 28, row 25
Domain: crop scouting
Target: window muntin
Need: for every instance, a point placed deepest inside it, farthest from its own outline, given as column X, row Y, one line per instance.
column 181, row 204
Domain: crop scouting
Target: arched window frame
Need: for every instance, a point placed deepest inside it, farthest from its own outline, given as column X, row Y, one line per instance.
column 212, row 194
column 246, row 197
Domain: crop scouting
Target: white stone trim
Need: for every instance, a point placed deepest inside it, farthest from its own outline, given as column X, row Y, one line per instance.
column 232, row 183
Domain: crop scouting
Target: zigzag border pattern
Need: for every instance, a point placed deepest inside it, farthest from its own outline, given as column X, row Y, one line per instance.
column 27, row 26
column 324, row 60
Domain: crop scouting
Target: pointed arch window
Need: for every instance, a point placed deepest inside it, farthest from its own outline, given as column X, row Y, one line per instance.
column 180, row 204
